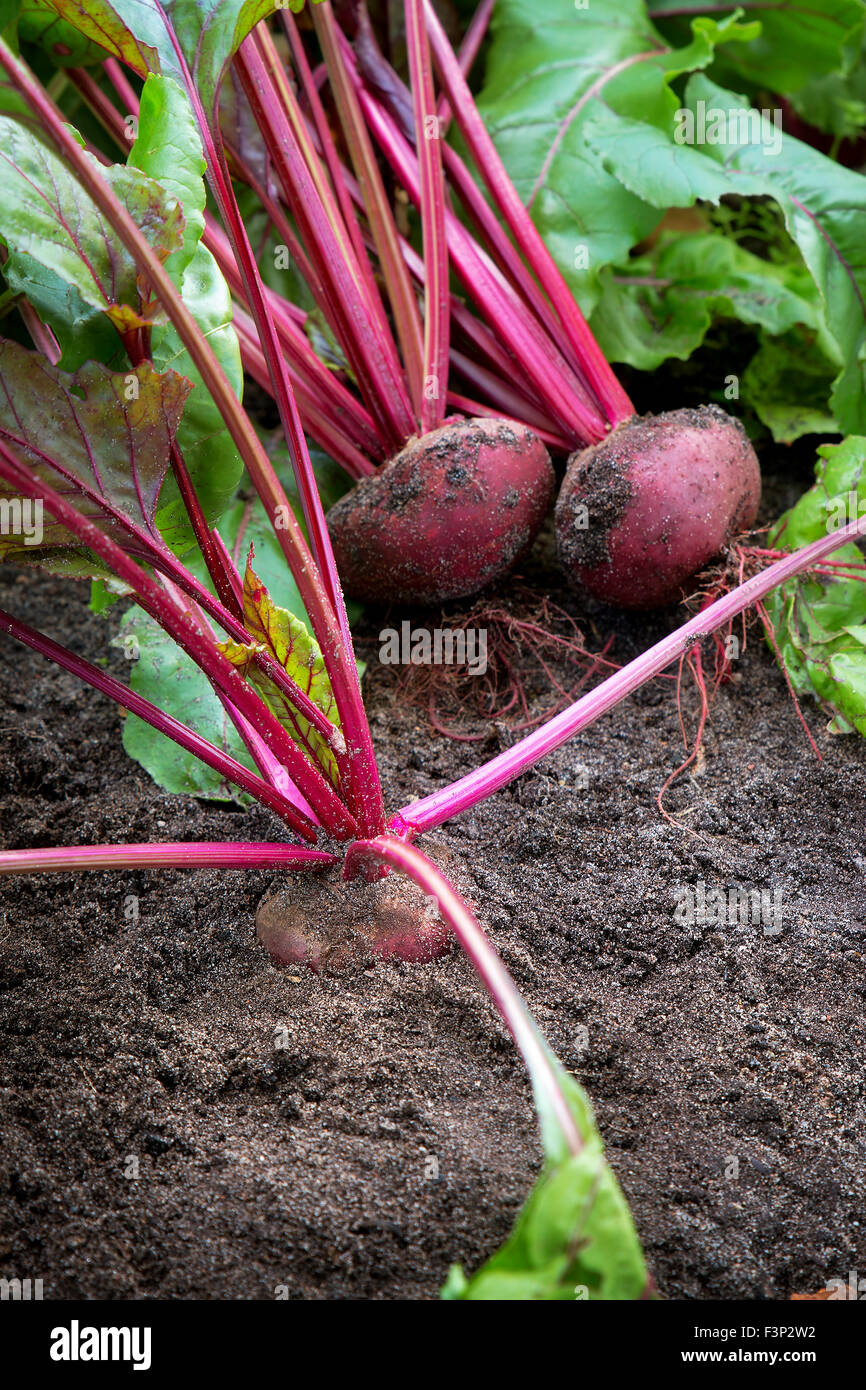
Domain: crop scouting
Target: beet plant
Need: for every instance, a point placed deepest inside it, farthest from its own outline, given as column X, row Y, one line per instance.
column 449, row 494
column 550, row 147
column 120, row 420
column 462, row 498
column 527, row 349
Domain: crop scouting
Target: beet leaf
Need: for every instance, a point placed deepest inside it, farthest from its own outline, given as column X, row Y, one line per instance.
column 276, row 631
column 62, row 253
column 820, row 621
column 102, row 438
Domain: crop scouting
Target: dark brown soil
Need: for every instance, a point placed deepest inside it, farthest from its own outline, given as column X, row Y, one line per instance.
column 349, row 1138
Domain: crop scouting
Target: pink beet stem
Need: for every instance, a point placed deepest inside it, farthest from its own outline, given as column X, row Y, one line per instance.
column 373, row 199
column 150, row 547
column 361, row 785
column 537, row 356
column 499, row 771
column 540, row 1062
column 602, row 380
column 468, row 51
column 182, row 629
column 363, row 333
column 328, row 621
column 194, row 854
column 323, row 427
column 428, row 145
column 200, row 748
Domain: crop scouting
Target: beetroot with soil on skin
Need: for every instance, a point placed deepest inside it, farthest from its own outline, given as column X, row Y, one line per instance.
column 335, row 925
column 642, row 512
column 448, row 516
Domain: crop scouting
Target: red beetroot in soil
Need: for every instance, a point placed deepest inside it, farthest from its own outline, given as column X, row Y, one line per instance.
column 450, row 514
column 333, row 925
column 640, row 513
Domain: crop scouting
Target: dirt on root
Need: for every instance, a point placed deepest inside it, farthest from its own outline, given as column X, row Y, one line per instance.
column 180, row 1119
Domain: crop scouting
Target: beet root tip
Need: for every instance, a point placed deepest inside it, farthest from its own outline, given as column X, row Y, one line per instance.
column 639, row 514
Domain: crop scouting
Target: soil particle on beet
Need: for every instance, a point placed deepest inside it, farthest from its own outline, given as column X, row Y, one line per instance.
column 349, row 1137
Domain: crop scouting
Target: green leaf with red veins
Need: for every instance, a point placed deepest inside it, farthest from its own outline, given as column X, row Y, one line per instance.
column 108, row 432
column 549, row 67
column 66, row 47
column 62, row 253
column 285, row 638
column 136, row 32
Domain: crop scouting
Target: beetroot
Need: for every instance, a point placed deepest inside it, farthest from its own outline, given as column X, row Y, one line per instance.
column 334, row 924
column 640, row 513
column 451, row 513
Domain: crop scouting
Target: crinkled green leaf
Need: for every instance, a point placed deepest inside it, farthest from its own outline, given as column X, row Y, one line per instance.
column 549, row 66
column 665, row 302
column 820, row 623
column 574, row 1238
column 823, row 206
column 109, row 430
column 581, row 108
column 63, row 254
column 788, row 384
column 797, row 40
column 277, row 632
